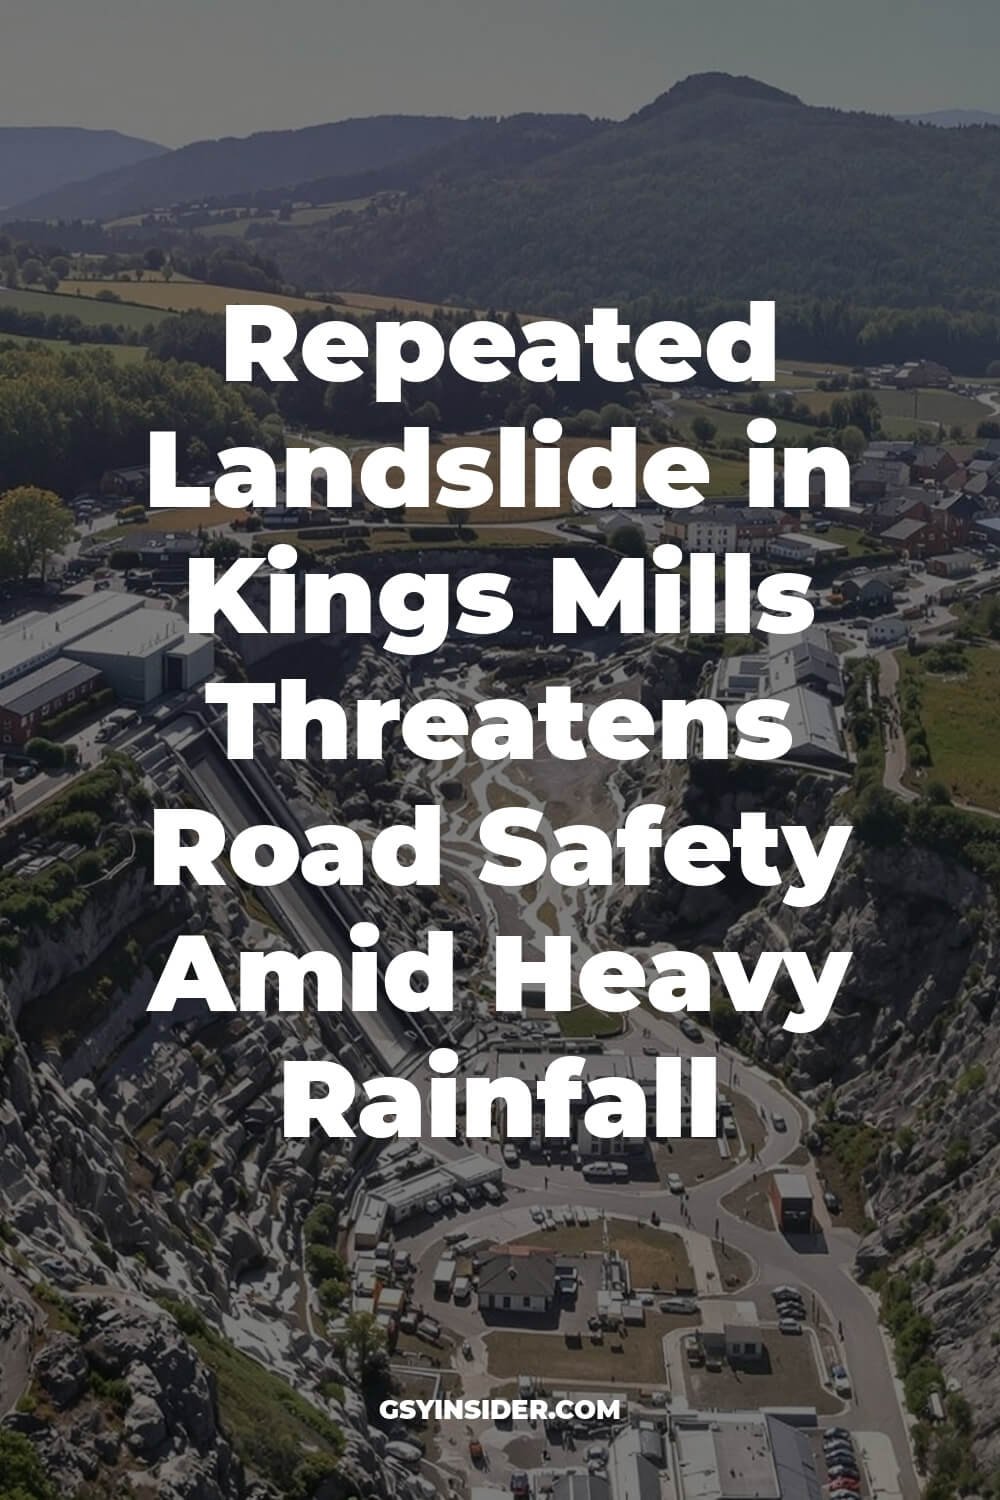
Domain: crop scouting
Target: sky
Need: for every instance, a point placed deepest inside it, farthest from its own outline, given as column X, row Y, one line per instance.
column 181, row 70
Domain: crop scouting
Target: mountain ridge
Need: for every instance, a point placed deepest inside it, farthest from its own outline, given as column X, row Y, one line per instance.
column 45, row 158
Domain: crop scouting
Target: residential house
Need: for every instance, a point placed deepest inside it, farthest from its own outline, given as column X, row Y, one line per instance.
column 872, row 480
column 915, row 538
column 521, row 1285
column 870, row 591
column 953, row 514
column 932, row 464
column 922, row 372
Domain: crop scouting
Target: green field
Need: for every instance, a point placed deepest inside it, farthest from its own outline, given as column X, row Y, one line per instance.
column 152, row 298
column 123, row 354
column 961, row 715
column 87, row 309
column 898, row 407
column 729, row 424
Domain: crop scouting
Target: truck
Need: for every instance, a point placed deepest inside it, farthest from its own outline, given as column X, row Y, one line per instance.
column 117, row 722
column 444, row 1276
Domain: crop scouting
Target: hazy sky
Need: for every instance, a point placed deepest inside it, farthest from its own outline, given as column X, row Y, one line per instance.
column 179, row 70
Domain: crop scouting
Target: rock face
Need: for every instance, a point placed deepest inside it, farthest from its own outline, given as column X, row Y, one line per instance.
column 907, row 1054
column 163, row 1178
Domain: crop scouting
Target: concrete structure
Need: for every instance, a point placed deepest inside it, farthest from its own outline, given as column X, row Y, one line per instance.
column 636, row 1462
column 27, row 702
column 581, row 1487
column 742, row 1456
column 31, row 640
column 791, row 1198
column 521, row 1285
column 147, row 653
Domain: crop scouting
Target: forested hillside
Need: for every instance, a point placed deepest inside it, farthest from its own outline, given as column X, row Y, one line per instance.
column 720, row 189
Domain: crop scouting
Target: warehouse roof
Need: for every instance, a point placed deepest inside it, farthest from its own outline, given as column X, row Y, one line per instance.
column 145, row 633
column 56, row 678
column 33, row 638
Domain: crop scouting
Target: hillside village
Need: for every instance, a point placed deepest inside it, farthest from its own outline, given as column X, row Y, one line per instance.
column 799, row 1304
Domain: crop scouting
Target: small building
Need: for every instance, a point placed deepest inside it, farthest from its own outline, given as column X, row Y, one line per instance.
column 792, row 1201
column 148, row 653
column 26, row 703
column 922, row 372
column 814, row 728
column 869, row 591
column 952, row 565
column 891, row 630
column 522, row 1285
column 131, row 481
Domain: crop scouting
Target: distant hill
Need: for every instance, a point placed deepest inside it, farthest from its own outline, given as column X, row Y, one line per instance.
column 38, row 159
column 949, row 118
column 243, row 166
column 484, row 148
column 719, row 190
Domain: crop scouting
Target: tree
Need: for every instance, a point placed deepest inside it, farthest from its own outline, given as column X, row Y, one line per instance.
column 31, row 270
column 704, row 430
column 366, row 1341
column 21, row 1474
column 34, row 523
column 852, row 441
column 153, row 258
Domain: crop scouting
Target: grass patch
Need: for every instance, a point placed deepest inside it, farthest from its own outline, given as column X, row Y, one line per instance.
column 961, row 719
column 124, row 314
column 787, row 1377
column 122, row 354
column 161, row 297
column 655, row 1256
column 276, row 1432
column 584, row 1021
column 635, row 1358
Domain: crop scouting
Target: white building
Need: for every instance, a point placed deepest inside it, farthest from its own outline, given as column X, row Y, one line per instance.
column 147, row 653
column 889, row 631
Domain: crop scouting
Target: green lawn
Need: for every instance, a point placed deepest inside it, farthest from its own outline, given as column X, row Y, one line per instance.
column 729, row 424
column 961, row 715
column 123, row 354
column 87, row 309
column 583, row 1020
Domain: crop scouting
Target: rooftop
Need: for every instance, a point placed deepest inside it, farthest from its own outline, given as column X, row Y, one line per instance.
column 517, row 1276
column 31, row 639
column 59, row 676
column 148, row 631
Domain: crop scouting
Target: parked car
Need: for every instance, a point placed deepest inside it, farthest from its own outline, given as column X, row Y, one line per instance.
column 780, row 1123
column 832, row 1201
column 433, row 1206
column 538, row 1215
column 691, row 1031
column 693, row 1352
column 511, row 1155
column 841, row 1380
column 675, row 1182
column 27, row 772
column 789, row 1325
column 684, row 1305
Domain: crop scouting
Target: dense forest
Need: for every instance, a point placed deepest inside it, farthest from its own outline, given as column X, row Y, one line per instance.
column 66, row 416
column 716, row 191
